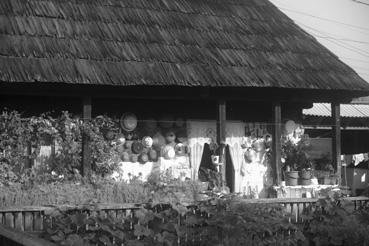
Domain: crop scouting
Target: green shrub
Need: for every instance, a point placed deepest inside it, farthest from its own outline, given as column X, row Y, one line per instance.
column 223, row 221
column 334, row 222
column 58, row 193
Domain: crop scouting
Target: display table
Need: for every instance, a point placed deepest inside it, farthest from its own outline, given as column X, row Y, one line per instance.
column 178, row 167
column 301, row 191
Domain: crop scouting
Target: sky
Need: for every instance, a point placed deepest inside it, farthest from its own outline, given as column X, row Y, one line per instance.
column 340, row 25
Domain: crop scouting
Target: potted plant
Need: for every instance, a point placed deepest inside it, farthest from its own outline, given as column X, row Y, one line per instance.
column 323, row 170
column 296, row 160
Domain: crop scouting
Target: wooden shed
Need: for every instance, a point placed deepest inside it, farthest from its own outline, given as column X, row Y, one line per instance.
column 220, row 61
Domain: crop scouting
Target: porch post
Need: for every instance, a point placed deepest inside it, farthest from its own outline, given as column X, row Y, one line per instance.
column 221, row 136
column 277, row 145
column 86, row 152
column 29, row 162
column 336, row 141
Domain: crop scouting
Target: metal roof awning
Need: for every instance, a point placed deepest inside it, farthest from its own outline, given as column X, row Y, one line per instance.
column 347, row 110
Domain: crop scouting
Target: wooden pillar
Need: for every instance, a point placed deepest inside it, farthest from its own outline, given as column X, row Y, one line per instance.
column 29, row 162
column 336, row 140
column 277, row 145
column 86, row 152
column 221, row 135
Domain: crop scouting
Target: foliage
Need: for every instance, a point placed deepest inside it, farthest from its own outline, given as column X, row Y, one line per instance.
column 67, row 137
column 104, row 153
column 74, row 193
column 324, row 164
column 222, row 221
column 95, row 189
column 235, row 222
column 334, row 222
column 21, row 139
column 214, row 178
column 14, row 138
column 295, row 155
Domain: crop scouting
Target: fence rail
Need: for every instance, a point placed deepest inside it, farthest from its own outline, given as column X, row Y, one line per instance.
column 32, row 218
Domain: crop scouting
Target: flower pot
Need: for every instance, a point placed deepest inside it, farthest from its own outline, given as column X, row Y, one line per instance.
column 292, row 178
column 305, row 181
column 305, row 174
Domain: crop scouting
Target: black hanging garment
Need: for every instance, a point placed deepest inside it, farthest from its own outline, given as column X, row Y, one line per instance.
column 230, row 171
column 207, row 170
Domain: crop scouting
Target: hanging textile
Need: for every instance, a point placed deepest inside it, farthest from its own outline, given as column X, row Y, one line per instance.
column 230, row 171
column 199, row 133
column 235, row 132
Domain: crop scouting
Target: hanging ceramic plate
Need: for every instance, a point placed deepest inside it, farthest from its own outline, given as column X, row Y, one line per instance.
column 128, row 122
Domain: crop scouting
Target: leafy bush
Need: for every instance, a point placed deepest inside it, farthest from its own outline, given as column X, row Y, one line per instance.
column 334, row 222
column 21, row 139
column 85, row 192
column 95, row 189
column 216, row 222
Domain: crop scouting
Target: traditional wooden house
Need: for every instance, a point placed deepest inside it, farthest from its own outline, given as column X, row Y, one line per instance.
column 233, row 71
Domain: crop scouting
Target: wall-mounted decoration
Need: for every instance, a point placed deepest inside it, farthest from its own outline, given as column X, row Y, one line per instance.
column 147, row 142
column 128, row 122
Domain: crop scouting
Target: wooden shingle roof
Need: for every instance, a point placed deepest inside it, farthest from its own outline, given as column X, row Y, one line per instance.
column 205, row 43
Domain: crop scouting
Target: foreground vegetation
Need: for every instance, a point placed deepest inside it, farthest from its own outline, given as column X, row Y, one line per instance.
column 226, row 220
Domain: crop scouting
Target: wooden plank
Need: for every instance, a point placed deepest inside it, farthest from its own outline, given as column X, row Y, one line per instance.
column 37, row 221
column 28, row 221
column 9, row 220
column 336, row 141
column 277, row 145
column 18, row 221
column 221, row 133
column 86, row 152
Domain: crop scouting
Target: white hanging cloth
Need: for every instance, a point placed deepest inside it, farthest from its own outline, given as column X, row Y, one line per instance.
column 199, row 133
column 235, row 132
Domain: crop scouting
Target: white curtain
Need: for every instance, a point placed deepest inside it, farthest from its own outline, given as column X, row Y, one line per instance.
column 235, row 131
column 199, row 133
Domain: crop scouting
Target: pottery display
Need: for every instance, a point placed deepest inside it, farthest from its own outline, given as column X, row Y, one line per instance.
column 147, row 142
column 137, row 147
column 168, row 152
column 128, row 122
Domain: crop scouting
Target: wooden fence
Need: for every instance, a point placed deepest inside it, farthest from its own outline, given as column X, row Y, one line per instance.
column 31, row 219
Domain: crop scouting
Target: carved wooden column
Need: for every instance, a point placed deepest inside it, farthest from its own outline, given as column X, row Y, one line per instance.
column 86, row 151
column 277, row 145
column 336, row 140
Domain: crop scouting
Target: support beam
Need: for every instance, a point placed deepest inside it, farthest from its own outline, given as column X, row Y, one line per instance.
column 86, row 151
column 336, row 141
column 29, row 162
column 277, row 145
column 221, row 135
